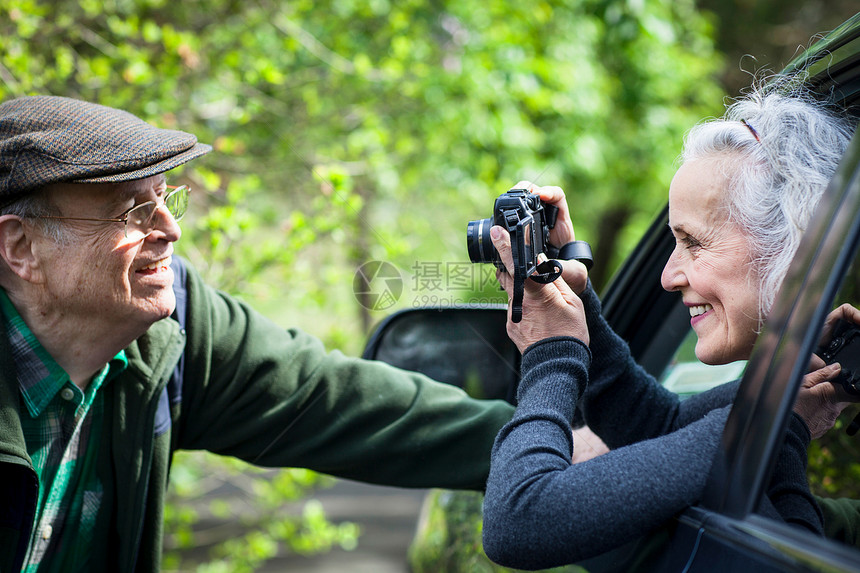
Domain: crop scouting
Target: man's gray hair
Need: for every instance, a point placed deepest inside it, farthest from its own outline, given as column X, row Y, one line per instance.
column 34, row 206
column 781, row 151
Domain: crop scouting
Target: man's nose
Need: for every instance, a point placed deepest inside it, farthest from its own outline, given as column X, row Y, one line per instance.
column 164, row 225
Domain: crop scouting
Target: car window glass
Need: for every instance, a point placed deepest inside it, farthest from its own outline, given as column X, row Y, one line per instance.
column 686, row 375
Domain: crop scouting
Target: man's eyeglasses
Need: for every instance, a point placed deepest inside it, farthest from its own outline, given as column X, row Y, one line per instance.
column 139, row 219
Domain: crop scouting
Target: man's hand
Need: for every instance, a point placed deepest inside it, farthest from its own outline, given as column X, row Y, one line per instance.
column 586, row 445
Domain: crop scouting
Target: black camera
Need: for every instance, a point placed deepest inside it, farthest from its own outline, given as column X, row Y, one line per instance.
column 528, row 220
column 844, row 348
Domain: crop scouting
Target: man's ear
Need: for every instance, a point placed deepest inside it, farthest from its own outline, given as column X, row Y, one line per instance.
column 16, row 248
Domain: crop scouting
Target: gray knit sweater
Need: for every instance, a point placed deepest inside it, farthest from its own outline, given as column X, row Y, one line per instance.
column 542, row 511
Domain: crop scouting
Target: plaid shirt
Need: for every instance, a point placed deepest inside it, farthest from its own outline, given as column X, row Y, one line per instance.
column 62, row 432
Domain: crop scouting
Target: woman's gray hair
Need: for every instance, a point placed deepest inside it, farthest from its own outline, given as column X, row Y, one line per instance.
column 781, row 151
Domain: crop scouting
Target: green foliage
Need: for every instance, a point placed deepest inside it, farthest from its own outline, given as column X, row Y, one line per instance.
column 354, row 131
column 349, row 131
column 449, row 537
column 834, row 468
column 259, row 514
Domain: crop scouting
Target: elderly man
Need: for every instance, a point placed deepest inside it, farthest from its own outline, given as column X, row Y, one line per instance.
column 115, row 354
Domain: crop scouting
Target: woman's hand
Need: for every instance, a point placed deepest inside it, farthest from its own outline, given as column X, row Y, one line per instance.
column 548, row 310
column 844, row 312
column 574, row 274
column 562, row 233
column 820, row 401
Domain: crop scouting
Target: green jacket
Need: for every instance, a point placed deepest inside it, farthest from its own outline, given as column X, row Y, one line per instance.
column 252, row 390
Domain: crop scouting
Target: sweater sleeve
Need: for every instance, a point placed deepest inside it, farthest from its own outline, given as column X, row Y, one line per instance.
column 542, row 511
column 623, row 403
column 841, row 519
column 788, row 490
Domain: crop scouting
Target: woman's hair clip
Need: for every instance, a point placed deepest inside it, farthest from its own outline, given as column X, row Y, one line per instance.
column 752, row 130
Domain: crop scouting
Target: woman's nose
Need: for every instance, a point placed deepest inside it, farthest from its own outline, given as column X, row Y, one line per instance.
column 673, row 277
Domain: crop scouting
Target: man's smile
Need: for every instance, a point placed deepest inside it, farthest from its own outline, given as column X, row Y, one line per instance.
column 156, row 266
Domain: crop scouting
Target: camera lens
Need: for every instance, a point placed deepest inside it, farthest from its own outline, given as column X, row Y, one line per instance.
column 478, row 242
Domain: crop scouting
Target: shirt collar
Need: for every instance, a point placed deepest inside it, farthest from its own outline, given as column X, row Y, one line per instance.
column 39, row 375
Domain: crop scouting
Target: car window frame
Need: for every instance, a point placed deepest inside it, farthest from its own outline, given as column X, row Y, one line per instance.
column 658, row 323
column 781, row 355
column 756, row 425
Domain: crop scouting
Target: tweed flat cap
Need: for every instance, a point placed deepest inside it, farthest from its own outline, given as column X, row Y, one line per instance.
column 49, row 139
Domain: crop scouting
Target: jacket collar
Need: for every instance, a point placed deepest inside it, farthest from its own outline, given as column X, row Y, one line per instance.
column 12, row 445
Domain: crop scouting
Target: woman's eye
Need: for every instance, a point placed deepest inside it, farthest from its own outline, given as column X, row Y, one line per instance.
column 690, row 242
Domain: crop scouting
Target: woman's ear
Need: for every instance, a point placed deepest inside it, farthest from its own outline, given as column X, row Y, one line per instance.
column 16, row 248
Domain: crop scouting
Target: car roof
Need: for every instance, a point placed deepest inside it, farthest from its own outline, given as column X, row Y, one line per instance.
column 831, row 66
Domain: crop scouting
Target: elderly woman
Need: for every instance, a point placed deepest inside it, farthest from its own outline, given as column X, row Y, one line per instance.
column 738, row 206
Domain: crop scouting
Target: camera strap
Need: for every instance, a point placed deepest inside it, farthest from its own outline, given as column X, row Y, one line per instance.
column 516, row 227
column 577, row 250
column 547, row 271
column 518, row 250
